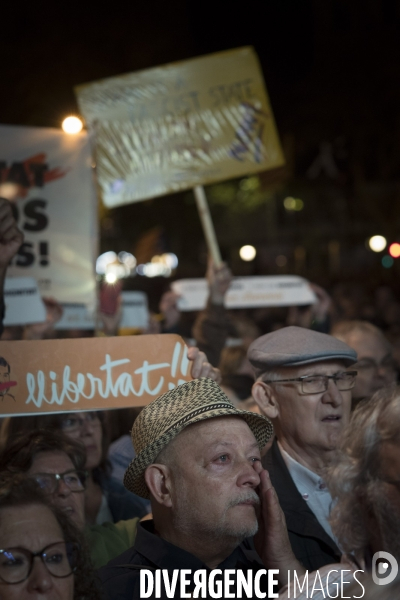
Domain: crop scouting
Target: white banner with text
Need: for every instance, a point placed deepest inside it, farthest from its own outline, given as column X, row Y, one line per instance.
column 248, row 292
column 47, row 175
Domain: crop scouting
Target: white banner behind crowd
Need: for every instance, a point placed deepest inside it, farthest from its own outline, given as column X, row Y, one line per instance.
column 135, row 313
column 47, row 175
column 23, row 303
column 247, row 292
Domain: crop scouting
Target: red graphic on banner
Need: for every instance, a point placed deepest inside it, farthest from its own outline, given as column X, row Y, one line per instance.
column 18, row 177
column 7, row 384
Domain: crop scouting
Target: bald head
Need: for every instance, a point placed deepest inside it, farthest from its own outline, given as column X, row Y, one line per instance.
column 375, row 364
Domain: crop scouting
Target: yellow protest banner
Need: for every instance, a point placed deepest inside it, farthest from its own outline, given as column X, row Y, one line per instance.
column 179, row 126
column 50, row 376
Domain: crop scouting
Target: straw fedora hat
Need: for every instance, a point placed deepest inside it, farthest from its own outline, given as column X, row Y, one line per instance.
column 161, row 420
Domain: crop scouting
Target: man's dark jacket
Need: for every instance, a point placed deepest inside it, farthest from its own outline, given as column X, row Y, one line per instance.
column 312, row 546
column 120, row 578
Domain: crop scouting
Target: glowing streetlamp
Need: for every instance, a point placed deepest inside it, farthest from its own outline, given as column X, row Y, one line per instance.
column 377, row 243
column 247, row 253
column 291, row 204
column 72, row 125
column 394, row 250
column 111, row 277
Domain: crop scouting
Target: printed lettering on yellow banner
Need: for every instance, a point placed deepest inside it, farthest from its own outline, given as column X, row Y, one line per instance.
column 184, row 124
column 89, row 374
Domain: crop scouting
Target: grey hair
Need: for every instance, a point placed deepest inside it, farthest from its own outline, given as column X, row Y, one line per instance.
column 270, row 376
column 357, row 468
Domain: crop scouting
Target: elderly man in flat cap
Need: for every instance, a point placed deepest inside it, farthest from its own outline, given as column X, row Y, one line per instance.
column 198, row 460
column 304, row 386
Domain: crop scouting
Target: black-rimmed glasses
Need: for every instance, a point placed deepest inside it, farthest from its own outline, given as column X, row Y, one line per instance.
column 60, row 559
column 49, row 482
column 316, row 384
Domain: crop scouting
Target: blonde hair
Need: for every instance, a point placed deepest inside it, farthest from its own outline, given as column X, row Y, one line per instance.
column 356, row 472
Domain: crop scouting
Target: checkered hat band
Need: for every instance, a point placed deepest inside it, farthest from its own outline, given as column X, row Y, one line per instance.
column 198, row 412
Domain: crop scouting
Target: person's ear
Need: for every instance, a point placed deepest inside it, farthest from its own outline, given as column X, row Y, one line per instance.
column 158, row 481
column 265, row 398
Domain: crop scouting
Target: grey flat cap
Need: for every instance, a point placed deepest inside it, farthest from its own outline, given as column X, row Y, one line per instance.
column 296, row 346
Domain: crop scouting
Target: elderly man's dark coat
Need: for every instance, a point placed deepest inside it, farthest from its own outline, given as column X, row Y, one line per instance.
column 312, row 546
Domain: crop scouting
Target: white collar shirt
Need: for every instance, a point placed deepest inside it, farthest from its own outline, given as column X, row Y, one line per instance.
column 312, row 489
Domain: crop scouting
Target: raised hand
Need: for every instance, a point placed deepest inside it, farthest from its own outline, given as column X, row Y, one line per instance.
column 200, row 365
column 219, row 279
column 11, row 237
column 272, row 539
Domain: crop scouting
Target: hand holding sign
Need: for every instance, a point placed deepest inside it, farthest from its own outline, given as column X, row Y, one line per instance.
column 201, row 367
column 169, row 309
column 317, row 313
column 11, row 237
column 219, row 279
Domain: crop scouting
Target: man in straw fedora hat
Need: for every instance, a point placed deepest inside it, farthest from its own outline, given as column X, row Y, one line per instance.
column 198, row 460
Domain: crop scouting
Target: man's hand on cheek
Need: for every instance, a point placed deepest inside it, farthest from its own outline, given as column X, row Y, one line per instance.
column 272, row 539
column 200, row 365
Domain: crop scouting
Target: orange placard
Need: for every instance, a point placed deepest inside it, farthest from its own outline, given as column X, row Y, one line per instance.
column 49, row 376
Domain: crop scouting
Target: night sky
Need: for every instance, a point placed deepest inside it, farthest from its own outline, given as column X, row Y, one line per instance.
column 48, row 47
column 332, row 73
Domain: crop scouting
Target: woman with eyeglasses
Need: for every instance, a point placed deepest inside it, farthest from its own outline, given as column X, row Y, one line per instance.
column 41, row 551
column 57, row 465
column 106, row 499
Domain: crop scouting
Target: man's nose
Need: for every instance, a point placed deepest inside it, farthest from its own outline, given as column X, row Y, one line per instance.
column 248, row 476
column 40, row 581
column 332, row 394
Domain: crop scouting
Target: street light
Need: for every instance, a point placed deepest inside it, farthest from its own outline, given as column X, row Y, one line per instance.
column 111, row 277
column 394, row 250
column 72, row 125
column 291, row 204
column 247, row 253
column 377, row 243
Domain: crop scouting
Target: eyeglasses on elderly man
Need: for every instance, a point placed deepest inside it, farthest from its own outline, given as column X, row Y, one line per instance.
column 316, row 384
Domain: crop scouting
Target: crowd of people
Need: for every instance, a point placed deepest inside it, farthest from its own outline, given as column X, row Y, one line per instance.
column 281, row 456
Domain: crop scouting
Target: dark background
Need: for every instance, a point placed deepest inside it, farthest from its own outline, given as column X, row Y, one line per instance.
column 332, row 72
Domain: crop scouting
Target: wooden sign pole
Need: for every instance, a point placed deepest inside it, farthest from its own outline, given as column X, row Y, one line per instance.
column 208, row 225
